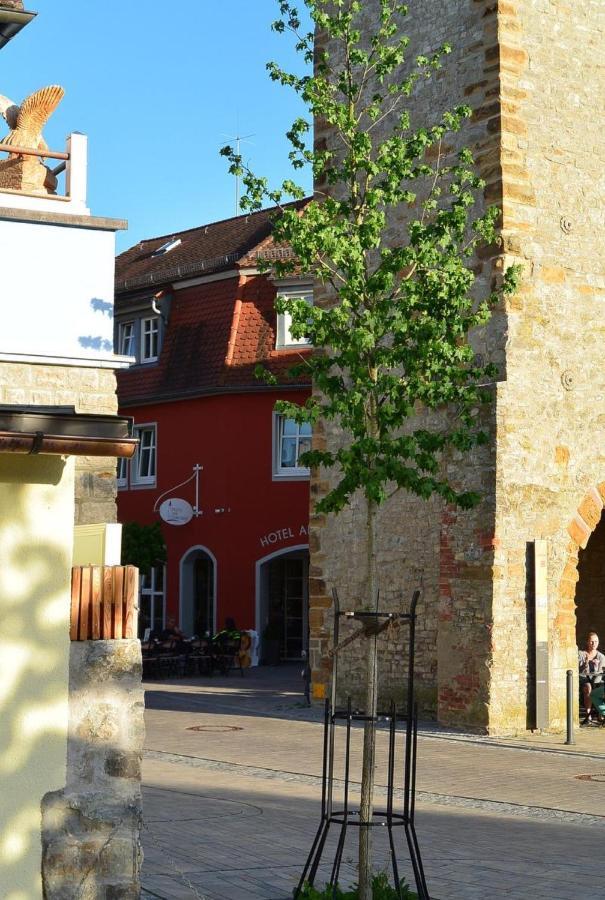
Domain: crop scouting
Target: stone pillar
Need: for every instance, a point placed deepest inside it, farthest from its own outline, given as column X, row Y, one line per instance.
column 91, row 829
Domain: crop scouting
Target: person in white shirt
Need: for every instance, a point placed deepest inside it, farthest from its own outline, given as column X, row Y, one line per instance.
column 592, row 671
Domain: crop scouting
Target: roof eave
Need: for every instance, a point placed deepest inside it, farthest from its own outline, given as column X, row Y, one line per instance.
column 11, row 23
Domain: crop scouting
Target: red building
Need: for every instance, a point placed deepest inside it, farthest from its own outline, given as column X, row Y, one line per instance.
column 198, row 317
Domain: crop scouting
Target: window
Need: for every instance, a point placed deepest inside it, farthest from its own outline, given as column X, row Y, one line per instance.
column 151, row 603
column 284, row 320
column 143, row 467
column 122, row 473
column 150, row 335
column 291, row 439
column 167, row 247
column 126, row 339
column 140, row 338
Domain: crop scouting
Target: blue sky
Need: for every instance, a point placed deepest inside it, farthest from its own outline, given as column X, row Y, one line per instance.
column 156, row 87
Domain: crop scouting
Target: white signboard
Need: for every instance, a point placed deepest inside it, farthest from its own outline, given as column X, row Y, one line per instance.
column 176, row 511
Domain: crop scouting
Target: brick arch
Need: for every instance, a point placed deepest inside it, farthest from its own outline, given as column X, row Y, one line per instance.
column 587, row 517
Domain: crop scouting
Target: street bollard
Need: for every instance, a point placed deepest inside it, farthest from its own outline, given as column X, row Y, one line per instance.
column 570, row 707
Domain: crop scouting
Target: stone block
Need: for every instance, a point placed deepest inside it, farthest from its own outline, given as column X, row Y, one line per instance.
column 590, row 510
column 123, row 765
column 579, row 531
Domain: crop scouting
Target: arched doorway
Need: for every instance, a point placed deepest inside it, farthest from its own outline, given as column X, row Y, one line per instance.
column 590, row 590
column 197, row 602
column 282, row 603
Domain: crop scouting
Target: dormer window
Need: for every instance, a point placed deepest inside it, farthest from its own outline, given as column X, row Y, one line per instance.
column 284, row 338
column 126, row 345
column 150, row 336
column 167, row 247
column 140, row 337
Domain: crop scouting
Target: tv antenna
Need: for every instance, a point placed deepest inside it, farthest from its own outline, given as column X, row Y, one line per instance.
column 239, row 140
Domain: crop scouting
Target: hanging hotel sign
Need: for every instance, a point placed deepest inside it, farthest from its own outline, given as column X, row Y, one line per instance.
column 176, row 511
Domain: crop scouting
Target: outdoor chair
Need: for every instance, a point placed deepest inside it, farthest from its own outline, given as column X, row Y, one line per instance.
column 200, row 660
column 163, row 660
column 227, row 654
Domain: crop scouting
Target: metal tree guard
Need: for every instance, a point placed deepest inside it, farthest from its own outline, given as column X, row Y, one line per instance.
column 373, row 623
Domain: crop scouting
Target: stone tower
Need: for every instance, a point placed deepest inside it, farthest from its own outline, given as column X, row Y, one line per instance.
column 532, row 71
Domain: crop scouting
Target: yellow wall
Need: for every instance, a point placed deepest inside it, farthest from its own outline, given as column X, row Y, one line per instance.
column 36, row 536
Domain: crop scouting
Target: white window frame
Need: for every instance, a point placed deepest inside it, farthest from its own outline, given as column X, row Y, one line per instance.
column 285, row 473
column 153, row 333
column 283, row 338
column 122, row 473
column 123, row 339
column 136, row 479
column 154, row 594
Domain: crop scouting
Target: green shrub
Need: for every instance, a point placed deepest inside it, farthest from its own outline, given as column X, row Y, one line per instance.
column 381, row 890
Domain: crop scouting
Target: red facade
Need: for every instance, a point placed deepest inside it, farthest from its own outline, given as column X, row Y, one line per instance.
column 244, row 553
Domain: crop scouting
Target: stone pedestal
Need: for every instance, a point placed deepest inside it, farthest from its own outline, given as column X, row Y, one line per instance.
column 91, row 830
column 27, row 174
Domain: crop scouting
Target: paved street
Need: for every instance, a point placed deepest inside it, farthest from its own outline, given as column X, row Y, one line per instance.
column 232, row 790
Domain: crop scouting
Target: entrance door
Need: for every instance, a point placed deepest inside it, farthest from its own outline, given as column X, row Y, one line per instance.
column 286, row 602
column 198, row 578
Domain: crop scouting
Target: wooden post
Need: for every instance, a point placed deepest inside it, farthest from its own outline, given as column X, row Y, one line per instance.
column 104, row 603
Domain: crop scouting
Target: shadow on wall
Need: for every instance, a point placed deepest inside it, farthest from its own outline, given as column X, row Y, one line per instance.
column 36, row 528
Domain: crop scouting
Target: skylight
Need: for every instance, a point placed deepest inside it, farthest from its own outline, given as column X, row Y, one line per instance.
column 167, row 247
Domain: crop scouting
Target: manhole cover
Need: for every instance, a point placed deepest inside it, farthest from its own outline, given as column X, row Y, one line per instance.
column 215, row 728
column 597, row 776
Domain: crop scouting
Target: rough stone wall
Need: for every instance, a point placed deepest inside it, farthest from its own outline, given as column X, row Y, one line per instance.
column 449, row 552
column 551, row 420
column 91, row 830
column 90, row 390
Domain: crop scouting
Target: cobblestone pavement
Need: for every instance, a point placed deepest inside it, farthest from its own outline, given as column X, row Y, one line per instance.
column 232, row 789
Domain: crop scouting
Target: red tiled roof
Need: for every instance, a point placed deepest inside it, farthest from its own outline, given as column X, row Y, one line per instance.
column 218, row 331
column 211, row 248
column 203, row 353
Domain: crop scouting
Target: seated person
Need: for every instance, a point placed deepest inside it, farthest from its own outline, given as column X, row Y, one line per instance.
column 592, row 671
column 229, row 633
column 171, row 632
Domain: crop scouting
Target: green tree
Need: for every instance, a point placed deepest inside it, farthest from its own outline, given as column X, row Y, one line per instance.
column 143, row 546
column 391, row 340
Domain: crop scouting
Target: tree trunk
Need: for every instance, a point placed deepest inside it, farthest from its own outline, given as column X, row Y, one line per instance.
column 369, row 733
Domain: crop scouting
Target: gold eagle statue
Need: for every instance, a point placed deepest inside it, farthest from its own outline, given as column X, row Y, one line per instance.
column 27, row 121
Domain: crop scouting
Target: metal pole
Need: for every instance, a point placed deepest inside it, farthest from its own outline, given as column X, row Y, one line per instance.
column 570, row 707
column 30, row 151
